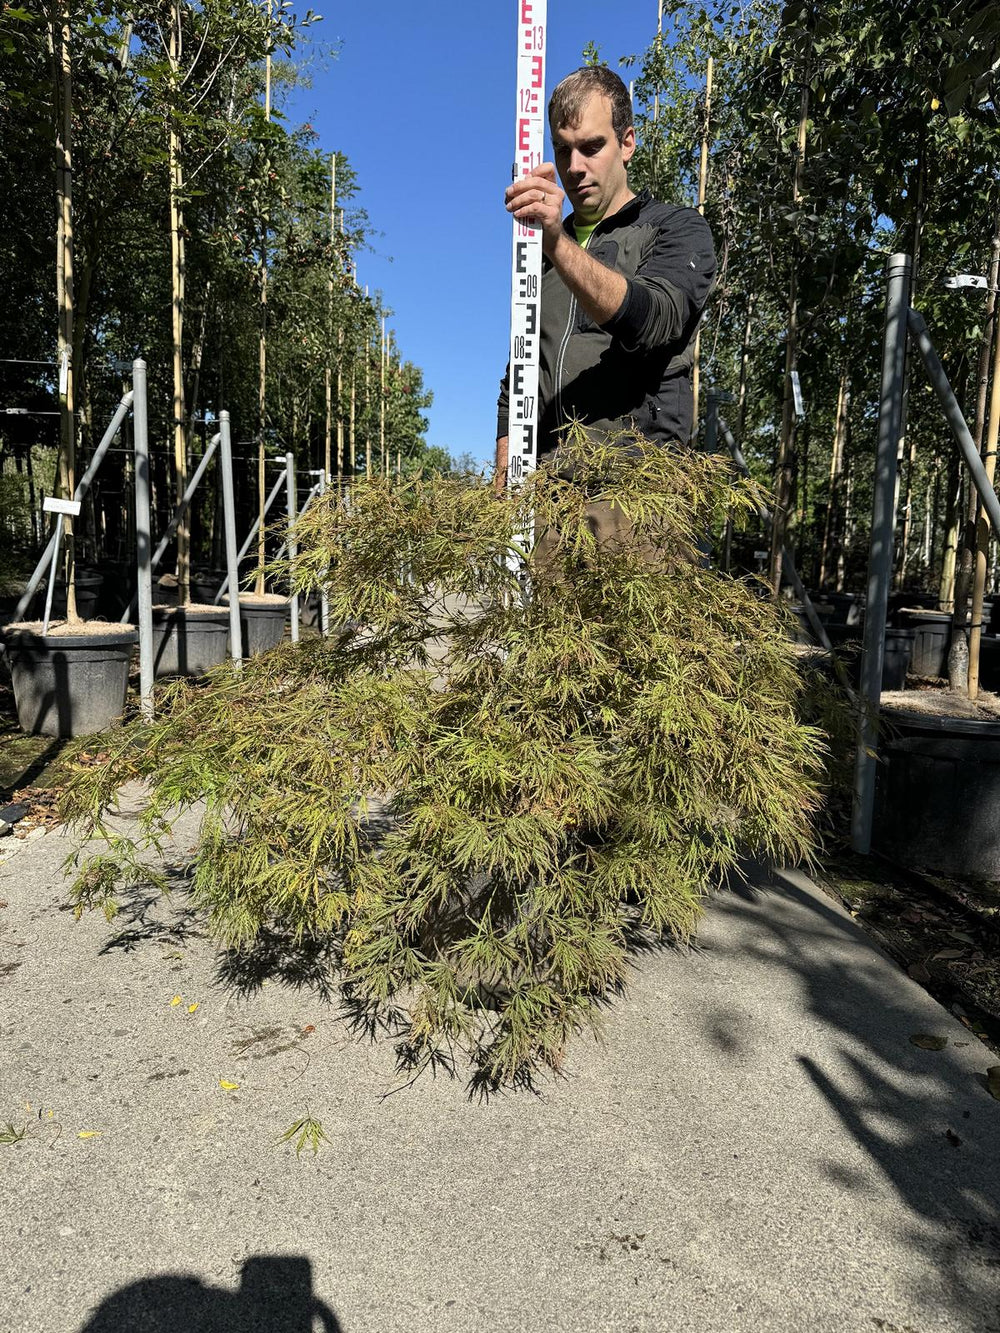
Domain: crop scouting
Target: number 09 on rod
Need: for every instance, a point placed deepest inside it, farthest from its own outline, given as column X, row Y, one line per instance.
column 526, row 266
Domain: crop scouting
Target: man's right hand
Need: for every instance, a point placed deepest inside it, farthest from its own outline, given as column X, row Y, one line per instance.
column 500, row 477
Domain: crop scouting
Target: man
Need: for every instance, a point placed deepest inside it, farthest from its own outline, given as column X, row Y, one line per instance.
column 624, row 282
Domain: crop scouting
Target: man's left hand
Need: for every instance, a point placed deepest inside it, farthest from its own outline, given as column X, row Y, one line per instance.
column 538, row 200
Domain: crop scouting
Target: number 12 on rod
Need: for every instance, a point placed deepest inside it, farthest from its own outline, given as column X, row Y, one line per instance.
column 526, row 266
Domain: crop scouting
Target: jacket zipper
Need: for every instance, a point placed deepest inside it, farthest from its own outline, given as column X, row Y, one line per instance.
column 560, row 359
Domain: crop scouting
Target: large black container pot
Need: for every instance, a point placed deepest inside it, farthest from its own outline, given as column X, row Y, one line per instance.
column 930, row 644
column 262, row 620
column 937, row 796
column 68, row 684
column 189, row 640
column 897, row 657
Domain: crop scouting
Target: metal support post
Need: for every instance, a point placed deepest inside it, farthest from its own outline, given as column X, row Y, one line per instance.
column 890, row 419
column 82, row 487
column 232, row 560
column 143, row 539
column 293, row 513
column 954, row 417
column 52, row 573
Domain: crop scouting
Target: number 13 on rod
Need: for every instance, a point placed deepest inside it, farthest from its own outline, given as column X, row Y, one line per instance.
column 526, row 265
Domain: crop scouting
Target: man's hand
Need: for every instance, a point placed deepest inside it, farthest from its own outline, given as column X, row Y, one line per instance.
column 538, row 200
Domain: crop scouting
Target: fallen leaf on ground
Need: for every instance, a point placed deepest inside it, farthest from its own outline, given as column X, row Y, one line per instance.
column 175, row 1001
column 918, row 972
column 89, row 1134
column 993, row 1081
column 193, row 1007
column 950, row 953
column 229, row 1087
column 928, row 1042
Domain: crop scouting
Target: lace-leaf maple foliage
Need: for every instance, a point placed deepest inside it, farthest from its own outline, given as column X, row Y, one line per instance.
column 481, row 802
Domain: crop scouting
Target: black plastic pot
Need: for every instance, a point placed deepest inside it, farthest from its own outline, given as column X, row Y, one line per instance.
column 68, row 685
column 262, row 620
column 189, row 640
column 930, row 645
column 937, row 797
column 896, row 661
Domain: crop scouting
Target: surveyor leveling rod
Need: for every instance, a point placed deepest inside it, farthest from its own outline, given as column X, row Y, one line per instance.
column 526, row 266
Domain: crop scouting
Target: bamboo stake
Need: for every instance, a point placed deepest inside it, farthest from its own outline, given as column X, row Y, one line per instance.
column 176, row 172
column 381, row 405
column 327, row 433
column 836, row 468
column 63, row 119
column 368, row 419
column 785, row 476
column 989, row 456
column 262, row 353
column 348, row 462
column 702, row 189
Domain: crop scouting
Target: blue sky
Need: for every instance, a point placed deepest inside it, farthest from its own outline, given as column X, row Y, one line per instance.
column 421, row 99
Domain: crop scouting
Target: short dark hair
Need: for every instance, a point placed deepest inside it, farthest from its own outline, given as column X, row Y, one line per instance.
column 566, row 103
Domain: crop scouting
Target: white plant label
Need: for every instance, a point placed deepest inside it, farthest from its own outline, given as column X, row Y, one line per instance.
column 51, row 506
column 526, row 267
column 800, row 407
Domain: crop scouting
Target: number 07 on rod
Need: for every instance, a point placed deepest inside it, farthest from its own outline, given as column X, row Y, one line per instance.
column 526, row 265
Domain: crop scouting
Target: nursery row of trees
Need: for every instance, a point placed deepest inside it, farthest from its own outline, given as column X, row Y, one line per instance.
column 155, row 202
column 836, row 133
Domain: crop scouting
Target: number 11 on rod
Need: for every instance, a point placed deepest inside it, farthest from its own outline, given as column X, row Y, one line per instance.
column 526, row 265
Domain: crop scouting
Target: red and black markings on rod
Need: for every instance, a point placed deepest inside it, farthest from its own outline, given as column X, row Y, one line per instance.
column 526, row 267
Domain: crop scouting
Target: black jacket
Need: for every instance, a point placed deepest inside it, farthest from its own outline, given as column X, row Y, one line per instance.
column 636, row 368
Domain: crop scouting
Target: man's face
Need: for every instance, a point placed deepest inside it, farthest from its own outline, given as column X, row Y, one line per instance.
column 591, row 162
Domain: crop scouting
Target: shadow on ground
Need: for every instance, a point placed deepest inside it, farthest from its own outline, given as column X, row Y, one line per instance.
column 275, row 1295
column 923, row 1117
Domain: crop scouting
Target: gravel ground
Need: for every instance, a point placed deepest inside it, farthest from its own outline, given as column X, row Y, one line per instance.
column 758, row 1145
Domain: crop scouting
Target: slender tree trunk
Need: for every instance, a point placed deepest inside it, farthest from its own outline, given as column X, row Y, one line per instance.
column 60, row 46
column 178, row 416
column 702, row 189
column 262, row 360
column 368, row 419
column 958, row 651
column 830, row 524
column 988, row 450
column 327, row 433
column 953, row 496
column 786, row 446
column 381, row 403
column 847, row 539
column 347, row 462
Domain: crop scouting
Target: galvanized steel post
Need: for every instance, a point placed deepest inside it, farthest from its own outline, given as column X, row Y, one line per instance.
column 232, row 561
column 143, row 539
column 890, row 419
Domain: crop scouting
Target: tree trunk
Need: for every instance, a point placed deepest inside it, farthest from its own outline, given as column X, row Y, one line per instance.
column 988, row 450
column 702, row 189
column 953, row 497
column 830, row 525
column 784, row 462
column 958, row 651
column 60, row 49
column 179, row 417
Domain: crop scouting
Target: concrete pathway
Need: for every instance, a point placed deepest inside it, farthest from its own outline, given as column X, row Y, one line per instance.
column 757, row 1146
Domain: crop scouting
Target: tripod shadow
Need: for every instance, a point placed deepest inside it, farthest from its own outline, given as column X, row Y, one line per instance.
column 275, row 1295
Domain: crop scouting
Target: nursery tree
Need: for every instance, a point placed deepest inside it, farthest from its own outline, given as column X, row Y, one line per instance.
column 476, row 804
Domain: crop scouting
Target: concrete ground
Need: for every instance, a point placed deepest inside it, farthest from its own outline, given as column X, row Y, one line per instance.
column 757, row 1146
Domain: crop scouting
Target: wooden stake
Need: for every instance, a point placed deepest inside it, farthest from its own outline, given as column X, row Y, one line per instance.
column 327, row 434
column 176, row 170
column 60, row 38
column 702, row 189
column 988, row 450
column 262, row 357
column 779, row 528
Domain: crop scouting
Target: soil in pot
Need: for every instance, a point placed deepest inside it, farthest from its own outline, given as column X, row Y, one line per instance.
column 71, row 680
column 189, row 640
column 262, row 619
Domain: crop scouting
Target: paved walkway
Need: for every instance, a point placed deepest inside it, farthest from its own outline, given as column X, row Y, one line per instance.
column 758, row 1146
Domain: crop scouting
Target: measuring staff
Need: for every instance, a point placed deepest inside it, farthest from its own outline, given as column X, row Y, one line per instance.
column 625, row 279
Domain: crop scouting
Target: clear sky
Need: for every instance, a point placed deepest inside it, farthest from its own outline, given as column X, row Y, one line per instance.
column 421, row 99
